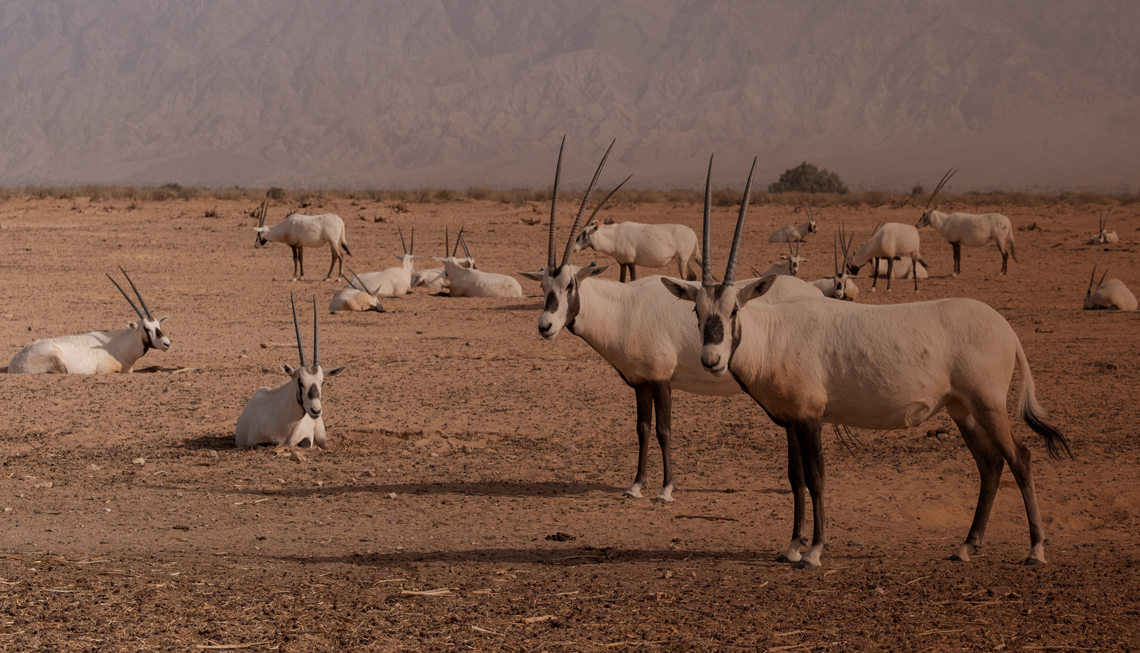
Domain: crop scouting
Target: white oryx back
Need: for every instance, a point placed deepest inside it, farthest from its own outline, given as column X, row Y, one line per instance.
column 1104, row 236
column 647, row 245
column 796, row 233
column 1111, row 294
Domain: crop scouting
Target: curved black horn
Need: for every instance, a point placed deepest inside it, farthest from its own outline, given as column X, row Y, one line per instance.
column 316, row 336
column 945, row 178
column 127, row 297
column 297, row 328
column 706, row 234
column 734, row 254
column 834, row 252
column 137, row 293
column 550, row 263
column 585, row 202
column 402, row 243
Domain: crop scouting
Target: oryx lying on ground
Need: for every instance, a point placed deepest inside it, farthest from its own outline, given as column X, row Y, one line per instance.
column 969, row 229
column 796, row 233
column 788, row 264
column 639, row 328
column 97, row 352
column 301, row 231
column 436, row 278
column 808, row 361
column 1104, row 237
column 1109, row 294
column 648, row 245
column 469, row 282
column 356, row 296
column 840, row 285
column 289, row 414
column 891, row 241
column 397, row 280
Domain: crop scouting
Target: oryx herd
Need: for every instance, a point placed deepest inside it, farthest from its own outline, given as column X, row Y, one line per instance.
column 805, row 359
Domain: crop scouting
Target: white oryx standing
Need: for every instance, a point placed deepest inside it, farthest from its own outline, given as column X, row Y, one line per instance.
column 98, row 352
column 788, row 264
column 301, row 231
column 839, row 285
column 969, row 229
column 396, row 280
column 639, row 328
column 648, row 245
column 1112, row 294
column 1104, row 237
column 809, row 362
column 469, row 282
column 891, row 241
column 289, row 414
column 355, row 297
column 796, row 233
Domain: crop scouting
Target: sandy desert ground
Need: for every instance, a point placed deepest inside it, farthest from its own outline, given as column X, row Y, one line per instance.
column 470, row 456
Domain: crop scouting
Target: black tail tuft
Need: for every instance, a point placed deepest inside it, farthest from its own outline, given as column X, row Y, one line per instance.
column 344, row 246
column 1055, row 442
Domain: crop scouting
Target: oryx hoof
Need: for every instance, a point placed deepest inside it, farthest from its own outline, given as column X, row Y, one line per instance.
column 1032, row 562
column 632, row 493
column 805, row 564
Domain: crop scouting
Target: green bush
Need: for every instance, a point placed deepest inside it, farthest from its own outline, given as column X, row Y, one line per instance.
column 808, row 178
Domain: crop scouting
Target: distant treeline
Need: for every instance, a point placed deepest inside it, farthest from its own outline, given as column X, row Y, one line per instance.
column 723, row 197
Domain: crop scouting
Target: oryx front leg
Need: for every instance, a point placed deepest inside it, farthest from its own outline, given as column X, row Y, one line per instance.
column 891, row 273
column 799, row 500
column 644, row 426
column 957, row 258
column 298, row 265
column 663, row 408
column 811, row 450
column 990, row 464
column 319, row 433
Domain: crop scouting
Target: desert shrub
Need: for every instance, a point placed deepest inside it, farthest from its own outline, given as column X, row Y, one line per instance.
column 275, row 193
column 808, row 178
column 917, row 190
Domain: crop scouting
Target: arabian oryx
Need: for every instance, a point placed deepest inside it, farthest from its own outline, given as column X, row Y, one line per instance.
column 436, row 278
column 810, row 361
column 788, row 264
column 355, row 297
column 891, row 241
column 1104, row 236
column 289, row 414
column 969, row 229
column 97, row 352
column 469, row 282
column 397, row 280
column 301, row 231
column 796, row 233
column 840, row 285
column 1112, row 294
column 648, row 245
column 640, row 329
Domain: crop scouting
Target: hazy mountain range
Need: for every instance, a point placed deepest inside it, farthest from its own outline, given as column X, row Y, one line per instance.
column 1036, row 94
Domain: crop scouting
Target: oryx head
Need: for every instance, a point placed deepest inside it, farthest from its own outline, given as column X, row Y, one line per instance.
column 584, row 240
column 151, row 329
column 373, row 296
column 308, row 377
column 793, row 258
column 718, row 304
column 466, row 261
column 408, row 258
column 924, row 221
column 841, row 276
column 561, row 281
column 1089, row 302
column 262, row 211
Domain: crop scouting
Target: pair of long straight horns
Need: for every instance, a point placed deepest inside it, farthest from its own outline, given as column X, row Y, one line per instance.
column 1099, row 283
column 459, row 239
column 1103, row 220
column 846, row 244
column 262, row 211
column 404, row 245
column 945, row 178
column 734, row 254
column 128, row 297
column 316, row 334
column 356, row 278
column 807, row 209
column 550, row 262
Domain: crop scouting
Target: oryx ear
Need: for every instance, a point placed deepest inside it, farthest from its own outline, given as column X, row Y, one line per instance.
column 133, row 325
column 589, row 271
column 261, row 230
column 756, row 289
column 287, row 369
column 417, row 258
column 681, row 289
column 334, row 371
column 534, row 275
column 441, row 260
column 163, row 319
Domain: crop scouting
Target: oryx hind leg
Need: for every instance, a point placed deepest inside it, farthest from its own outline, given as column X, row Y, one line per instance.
column 957, row 258
column 56, row 364
column 644, row 427
column 811, row 450
column 332, row 262
column 298, row 267
column 990, row 464
column 799, row 500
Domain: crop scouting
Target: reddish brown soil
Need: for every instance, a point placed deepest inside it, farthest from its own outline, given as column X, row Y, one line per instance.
column 461, row 442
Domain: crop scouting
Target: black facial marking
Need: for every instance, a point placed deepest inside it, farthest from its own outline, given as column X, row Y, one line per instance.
column 551, row 302
column 573, row 305
column 314, row 393
column 714, row 330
